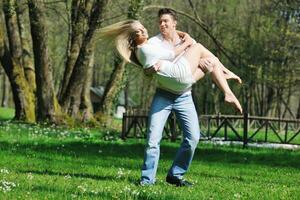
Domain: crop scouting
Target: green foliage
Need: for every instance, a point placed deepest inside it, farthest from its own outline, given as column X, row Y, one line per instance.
column 53, row 163
column 135, row 9
column 9, row 6
column 261, row 37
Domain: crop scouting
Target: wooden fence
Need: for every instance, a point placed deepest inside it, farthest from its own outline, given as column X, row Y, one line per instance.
column 243, row 128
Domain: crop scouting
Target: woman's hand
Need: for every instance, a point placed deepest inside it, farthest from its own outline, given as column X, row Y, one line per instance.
column 181, row 34
column 151, row 70
column 188, row 40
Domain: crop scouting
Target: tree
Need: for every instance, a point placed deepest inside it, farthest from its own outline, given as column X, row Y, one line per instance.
column 5, row 90
column 80, row 12
column 71, row 99
column 47, row 104
column 11, row 60
column 118, row 79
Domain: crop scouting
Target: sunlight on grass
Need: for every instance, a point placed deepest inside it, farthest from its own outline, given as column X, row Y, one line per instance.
column 39, row 162
column 6, row 113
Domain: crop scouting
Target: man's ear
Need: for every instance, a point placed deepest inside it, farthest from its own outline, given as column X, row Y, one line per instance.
column 175, row 23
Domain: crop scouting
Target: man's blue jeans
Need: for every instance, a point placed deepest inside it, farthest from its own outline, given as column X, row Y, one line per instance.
column 183, row 106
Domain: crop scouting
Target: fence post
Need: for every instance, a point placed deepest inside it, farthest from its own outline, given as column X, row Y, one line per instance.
column 225, row 128
column 208, row 127
column 124, row 126
column 245, row 135
column 246, row 116
column 266, row 130
column 286, row 132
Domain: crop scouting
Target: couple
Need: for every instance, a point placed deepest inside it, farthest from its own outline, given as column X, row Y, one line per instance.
column 177, row 62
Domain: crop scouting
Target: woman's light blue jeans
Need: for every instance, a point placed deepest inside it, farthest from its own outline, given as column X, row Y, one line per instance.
column 183, row 106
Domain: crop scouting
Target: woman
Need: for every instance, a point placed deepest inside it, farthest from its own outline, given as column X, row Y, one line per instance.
column 131, row 40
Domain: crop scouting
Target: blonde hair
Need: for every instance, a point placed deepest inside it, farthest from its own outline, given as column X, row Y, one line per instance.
column 123, row 35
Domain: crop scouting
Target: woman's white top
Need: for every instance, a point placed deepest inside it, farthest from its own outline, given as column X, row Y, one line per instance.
column 149, row 54
column 172, row 76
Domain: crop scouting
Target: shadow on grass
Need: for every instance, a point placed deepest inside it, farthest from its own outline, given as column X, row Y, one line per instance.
column 274, row 158
column 131, row 179
column 65, row 174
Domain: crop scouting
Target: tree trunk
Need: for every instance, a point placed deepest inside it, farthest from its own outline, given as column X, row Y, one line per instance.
column 269, row 101
column 5, row 91
column 47, row 104
column 27, row 58
column 71, row 99
column 298, row 110
column 86, row 104
column 79, row 17
column 113, row 88
column 11, row 60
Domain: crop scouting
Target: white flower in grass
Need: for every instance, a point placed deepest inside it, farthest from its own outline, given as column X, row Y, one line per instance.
column 67, row 176
column 6, row 186
column 4, row 171
column 82, row 188
column 237, row 195
column 135, row 193
column 127, row 189
column 30, row 176
column 94, row 192
column 121, row 173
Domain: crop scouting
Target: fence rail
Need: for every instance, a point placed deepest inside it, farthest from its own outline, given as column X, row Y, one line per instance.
column 243, row 128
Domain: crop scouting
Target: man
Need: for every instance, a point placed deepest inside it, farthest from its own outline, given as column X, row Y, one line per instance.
column 163, row 103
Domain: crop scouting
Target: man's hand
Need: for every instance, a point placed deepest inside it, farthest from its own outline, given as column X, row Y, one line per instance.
column 205, row 64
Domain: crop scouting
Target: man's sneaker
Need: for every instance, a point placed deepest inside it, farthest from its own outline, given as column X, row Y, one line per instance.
column 178, row 182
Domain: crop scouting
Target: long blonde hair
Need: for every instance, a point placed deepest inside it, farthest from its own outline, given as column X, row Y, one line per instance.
column 123, row 35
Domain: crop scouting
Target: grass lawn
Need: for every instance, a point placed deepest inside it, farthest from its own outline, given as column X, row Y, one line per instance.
column 6, row 113
column 53, row 163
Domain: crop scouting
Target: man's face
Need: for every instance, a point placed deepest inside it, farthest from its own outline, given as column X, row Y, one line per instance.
column 167, row 24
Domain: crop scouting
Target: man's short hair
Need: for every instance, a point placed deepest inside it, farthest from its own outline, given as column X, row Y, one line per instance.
column 167, row 11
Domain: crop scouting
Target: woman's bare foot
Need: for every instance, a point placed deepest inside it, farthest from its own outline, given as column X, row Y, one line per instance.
column 231, row 99
column 233, row 76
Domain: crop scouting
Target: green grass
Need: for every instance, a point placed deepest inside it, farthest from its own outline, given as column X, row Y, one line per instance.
column 53, row 163
column 6, row 113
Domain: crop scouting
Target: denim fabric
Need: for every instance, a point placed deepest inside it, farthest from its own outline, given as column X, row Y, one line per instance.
column 183, row 106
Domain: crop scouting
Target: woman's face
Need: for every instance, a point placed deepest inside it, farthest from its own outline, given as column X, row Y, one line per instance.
column 141, row 33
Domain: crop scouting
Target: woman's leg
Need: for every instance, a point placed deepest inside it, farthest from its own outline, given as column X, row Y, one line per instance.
column 229, row 74
column 193, row 55
column 219, row 78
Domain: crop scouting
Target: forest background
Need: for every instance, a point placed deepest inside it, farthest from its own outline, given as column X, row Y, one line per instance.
column 50, row 56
